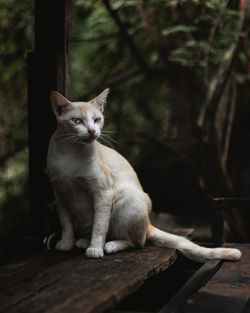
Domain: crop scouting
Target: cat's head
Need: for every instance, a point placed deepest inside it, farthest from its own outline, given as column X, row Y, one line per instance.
column 81, row 121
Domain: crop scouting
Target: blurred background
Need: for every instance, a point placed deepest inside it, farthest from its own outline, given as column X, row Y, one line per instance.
column 178, row 108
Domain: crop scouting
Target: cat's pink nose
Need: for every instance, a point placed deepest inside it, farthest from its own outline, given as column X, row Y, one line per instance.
column 91, row 131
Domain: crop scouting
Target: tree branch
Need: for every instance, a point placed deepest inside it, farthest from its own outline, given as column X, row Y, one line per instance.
column 97, row 38
column 123, row 31
column 210, row 39
column 121, row 77
column 116, row 80
column 214, row 93
column 230, row 121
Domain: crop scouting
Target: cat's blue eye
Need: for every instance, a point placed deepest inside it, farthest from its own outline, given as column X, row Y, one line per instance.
column 76, row 120
column 97, row 120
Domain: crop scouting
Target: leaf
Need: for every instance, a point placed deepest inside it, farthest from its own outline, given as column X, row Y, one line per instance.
column 178, row 28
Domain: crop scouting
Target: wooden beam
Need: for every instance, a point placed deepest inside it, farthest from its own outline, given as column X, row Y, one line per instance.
column 191, row 286
column 48, row 68
column 227, row 292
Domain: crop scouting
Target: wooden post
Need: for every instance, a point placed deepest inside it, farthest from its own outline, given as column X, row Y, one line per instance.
column 48, row 69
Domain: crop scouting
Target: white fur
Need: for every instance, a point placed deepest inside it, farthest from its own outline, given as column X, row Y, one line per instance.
column 190, row 249
column 98, row 192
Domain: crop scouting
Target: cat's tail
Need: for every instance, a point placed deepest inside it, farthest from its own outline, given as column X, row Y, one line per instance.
column 189, row 249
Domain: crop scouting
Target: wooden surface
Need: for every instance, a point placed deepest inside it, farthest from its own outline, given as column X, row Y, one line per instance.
column 48, row 69
column 227, row 292
column 68, row 282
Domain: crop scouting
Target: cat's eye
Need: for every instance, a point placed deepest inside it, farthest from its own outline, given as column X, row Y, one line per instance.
column 97, row 120
column 76, row 120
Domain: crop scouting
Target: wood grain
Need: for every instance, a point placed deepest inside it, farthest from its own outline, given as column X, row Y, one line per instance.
column 68, row 282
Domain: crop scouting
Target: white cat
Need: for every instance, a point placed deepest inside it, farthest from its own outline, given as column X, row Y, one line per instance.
column 98, row 194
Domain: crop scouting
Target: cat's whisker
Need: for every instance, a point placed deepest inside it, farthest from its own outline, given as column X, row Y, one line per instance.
column 64, row 136
column 108, row 143
column 109, row 131
column 108, row 137
column 109, row 140
column 67, row 139
column 103, row 138
column 71, row 138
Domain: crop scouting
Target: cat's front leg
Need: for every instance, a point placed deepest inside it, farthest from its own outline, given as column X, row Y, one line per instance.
column 102, row 213
column 67, row 241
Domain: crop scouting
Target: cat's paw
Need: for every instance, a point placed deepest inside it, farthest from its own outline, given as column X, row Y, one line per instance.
column 82, row 243
column 65, row 245
column 94, row 253
column 111, row 247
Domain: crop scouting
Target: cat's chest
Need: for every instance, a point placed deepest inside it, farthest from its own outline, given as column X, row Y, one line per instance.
column 71, row 165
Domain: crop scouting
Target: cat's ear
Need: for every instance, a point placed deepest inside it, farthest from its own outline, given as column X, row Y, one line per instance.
column 59, row 103
column 100, row 100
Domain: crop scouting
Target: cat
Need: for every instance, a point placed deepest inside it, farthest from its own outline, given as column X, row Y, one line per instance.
column 98, row 194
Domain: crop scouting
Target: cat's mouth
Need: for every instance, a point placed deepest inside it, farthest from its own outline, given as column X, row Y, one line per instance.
column 91, row 138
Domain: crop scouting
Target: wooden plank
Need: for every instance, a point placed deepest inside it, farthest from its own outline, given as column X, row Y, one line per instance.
column 83, row 285
column 192, row 285
column 227, row 292
column 48, row 68
column 27, row 268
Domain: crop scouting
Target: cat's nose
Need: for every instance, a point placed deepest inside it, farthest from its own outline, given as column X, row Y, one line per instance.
column 91, row 131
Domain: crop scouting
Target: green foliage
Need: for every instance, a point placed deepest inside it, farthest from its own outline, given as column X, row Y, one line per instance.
column 16, row 23
column 16, row 37
column 100, row 55
column 14, row 202
column 177, row 28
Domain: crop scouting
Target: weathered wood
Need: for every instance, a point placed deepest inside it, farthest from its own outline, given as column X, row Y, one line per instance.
column 192, row 285
column 27, row 268
column 220, row 206
column 77, row 284
column 48, row 68
column 227, row 292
